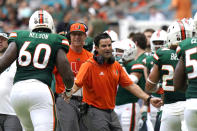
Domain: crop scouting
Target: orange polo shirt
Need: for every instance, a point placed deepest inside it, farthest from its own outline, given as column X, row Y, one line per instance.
column 75, row 59
column 100, row 83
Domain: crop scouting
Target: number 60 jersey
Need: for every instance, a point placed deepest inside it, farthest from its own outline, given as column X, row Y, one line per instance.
column 36, row 54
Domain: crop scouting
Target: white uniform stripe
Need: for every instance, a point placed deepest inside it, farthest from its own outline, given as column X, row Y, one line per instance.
column 156, row 56
column 178, row 49
column 137, row 66
column 13, row 34
column 65, row 42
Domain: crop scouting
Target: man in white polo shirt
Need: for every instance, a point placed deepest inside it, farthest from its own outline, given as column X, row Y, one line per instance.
column 8, row 118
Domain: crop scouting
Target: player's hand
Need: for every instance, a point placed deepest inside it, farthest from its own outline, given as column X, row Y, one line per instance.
column 67, row 95
column 156, row 102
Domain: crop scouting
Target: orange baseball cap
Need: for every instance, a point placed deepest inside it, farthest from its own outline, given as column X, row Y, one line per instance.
column 78, row 27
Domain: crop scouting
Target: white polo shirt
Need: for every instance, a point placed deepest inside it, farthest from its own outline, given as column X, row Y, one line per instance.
column 6, row 83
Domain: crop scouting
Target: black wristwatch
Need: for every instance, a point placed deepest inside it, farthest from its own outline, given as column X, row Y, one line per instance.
column 148, row 100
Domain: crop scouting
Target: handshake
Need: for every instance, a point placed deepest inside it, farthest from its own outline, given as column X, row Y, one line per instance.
column 67, row 94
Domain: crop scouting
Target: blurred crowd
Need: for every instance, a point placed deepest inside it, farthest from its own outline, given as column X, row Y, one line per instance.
column 14, row 14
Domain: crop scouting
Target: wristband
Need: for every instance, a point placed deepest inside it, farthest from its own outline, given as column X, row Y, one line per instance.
column 148, row 100
column 151, row 82
column 68, row 90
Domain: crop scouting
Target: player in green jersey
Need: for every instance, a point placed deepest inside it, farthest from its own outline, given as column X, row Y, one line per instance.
column 165, row 60
column 127, row 107
column 185, row 72
column 157, row 40
column 185, row 77
column 36, row 53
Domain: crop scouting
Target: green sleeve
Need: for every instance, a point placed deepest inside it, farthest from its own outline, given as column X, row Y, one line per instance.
column 53, row 84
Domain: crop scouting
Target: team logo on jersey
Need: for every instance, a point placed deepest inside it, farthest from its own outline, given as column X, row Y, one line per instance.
column 116, row 72
column 78, row 59
column 101, row 74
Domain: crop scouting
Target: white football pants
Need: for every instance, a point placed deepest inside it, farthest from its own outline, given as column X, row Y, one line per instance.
column 190, row 114
column 129, row 116
column 33, row 103
column 173, row 117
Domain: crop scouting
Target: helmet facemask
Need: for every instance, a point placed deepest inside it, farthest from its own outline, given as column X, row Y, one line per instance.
column 124, row 50
column 158, row 39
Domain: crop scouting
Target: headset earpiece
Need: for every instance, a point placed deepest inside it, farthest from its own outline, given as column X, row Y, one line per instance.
column 100, row 60
column 111, row 60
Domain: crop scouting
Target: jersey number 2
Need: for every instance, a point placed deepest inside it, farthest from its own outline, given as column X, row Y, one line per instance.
column 167, row 78
column 36, row 56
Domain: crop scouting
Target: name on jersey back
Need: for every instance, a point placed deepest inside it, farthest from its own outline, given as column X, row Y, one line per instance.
column 174, row 56
column 40, row 36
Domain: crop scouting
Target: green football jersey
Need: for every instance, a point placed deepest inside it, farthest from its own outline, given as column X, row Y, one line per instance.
column 188, row 50
column 166, row 60
column 149, row 62
column 36, row 54
column 149, row 65
column 123, row 95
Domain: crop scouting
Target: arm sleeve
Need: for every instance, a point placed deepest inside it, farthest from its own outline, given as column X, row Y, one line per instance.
column 138, row 67
column 62, row 42
column 156, row 57
column 83, row 74
column 134, row 78
column 12, row 37
column 179, row 51
column 124, row 78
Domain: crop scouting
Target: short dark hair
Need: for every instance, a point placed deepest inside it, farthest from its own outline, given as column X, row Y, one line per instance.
column 130, row 36
column 141, row 40
column 99, row 37
column 61, row 27
column 149, row 30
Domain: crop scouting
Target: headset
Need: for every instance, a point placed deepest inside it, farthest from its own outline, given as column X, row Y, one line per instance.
column 100, row 60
